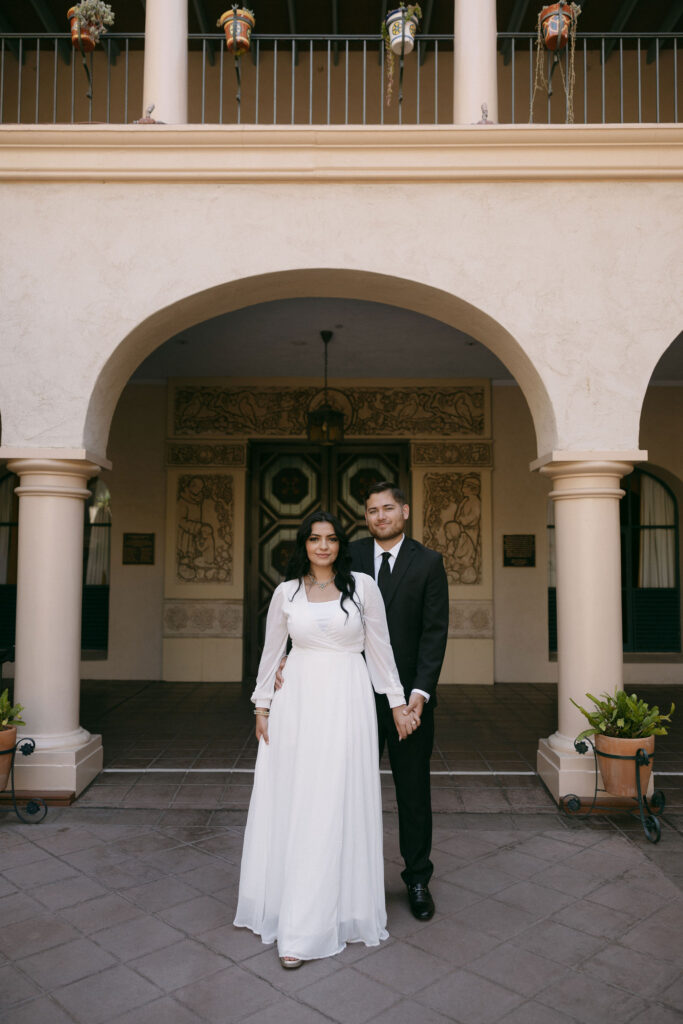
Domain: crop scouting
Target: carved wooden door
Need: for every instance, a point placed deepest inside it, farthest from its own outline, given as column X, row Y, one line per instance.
column 287, row 481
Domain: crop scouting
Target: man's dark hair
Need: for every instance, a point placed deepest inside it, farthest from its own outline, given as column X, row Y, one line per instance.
column 386, row 485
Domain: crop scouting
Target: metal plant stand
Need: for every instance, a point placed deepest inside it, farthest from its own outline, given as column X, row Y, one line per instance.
column 35, row 809
column 648, row 819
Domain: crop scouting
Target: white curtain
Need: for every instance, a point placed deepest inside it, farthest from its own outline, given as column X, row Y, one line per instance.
column 657, row 567
column 99, row 510
column 6, row 502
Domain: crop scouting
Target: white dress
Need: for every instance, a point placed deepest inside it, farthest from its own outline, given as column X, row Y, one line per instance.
column 312, row 874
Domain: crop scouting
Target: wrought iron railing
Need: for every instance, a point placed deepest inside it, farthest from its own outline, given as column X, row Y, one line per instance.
column 335, row 79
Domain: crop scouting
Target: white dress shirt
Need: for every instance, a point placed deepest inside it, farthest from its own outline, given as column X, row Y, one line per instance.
column 393, row 555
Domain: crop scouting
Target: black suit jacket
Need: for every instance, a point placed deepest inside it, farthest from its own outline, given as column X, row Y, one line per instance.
column 417, row 611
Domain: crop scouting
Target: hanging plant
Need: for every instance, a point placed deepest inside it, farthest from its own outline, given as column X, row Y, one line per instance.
column 555, row 28
column 89, row 20
column 398, row 32
column 238, row 25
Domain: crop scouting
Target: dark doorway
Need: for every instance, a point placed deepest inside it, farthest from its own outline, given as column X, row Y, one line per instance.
column 287, row 481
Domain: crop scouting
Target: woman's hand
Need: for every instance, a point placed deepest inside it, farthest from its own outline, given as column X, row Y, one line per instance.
column 261, row 729
column 405, row 720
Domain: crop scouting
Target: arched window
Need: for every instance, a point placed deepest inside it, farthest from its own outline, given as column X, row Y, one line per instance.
column 650, row 576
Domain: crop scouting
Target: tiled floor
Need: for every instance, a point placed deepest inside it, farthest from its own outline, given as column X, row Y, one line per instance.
column 123, row 915
column 191, row 745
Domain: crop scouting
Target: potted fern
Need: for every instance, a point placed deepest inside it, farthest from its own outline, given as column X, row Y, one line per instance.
column 622, row 725
column 10, row 718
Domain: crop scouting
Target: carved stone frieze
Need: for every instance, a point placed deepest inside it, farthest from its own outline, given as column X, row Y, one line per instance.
column 203, row 619
column 415, row 411
column 204, row 528
column 471, row 620
column 452, row 453
column 189, row 454
column 452, row 523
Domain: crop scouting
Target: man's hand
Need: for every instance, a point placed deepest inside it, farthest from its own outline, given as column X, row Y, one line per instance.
column 416, row 706
column 406, row 721
column 279, row 677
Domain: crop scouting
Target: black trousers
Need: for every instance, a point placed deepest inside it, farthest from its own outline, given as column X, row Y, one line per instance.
column 409, row 760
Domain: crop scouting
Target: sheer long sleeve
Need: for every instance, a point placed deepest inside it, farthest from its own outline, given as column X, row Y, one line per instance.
column 378, row 654
column 273, row 649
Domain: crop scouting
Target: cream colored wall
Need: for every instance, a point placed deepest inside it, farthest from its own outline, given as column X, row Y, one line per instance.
column 519, row 506
column 138, row 498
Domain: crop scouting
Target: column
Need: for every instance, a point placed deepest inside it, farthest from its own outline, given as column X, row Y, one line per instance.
column 165, row 71
column 589, row 635
column 48, row 625
column 475, row 71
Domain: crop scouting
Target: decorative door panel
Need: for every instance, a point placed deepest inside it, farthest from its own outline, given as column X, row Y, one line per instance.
column 287, row 481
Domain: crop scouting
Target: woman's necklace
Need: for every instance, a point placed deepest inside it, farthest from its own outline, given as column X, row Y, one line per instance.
column 315, row 582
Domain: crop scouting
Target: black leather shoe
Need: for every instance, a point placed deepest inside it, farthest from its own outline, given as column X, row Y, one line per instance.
column 421, row 902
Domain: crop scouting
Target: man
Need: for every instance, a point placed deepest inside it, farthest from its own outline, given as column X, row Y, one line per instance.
column 413, row 583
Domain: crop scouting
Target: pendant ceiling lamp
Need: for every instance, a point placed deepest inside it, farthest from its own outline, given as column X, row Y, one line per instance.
column 325, row 423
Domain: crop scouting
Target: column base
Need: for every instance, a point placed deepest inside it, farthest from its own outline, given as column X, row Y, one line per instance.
column 564, row 772
column 48, row 771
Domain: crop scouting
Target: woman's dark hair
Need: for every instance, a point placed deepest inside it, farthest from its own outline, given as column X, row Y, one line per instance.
column 299, row 565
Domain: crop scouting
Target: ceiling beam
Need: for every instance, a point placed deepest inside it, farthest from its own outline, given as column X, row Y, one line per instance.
column 335, row 29
column 514, row 25
column 291, row 13
column 429, row 11
column 50, row 25
column 13, row 44
column 204, row 27
column 625, row 11
column 668, row 24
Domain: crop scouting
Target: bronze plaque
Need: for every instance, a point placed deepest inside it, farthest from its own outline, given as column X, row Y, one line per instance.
column 138, row 549
column 519, row 549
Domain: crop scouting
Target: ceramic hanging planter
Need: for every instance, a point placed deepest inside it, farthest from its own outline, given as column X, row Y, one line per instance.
column 238, row 25
column 88, row 21
column 402, row 24
column 556, row 23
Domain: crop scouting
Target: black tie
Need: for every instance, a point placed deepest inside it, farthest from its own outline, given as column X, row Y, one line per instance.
column 384, row 575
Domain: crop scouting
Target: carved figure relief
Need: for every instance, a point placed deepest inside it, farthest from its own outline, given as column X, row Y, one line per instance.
column 204, row 520
column 370, row 412
column 452, row 523
column 203, row 618
column 447, row 453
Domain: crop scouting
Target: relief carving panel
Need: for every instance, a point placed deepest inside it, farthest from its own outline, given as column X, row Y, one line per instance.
column 206, row 454
column 203, row 619
column 471, row 620
column 452, row 453
column 204, row 528
column 452, row 523
column 368, row 411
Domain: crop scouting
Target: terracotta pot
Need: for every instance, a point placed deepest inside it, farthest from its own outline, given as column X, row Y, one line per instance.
column 237, row 26
column 619, row 777
column 401, row 31
column 86, row 43
column 8, row 738
column 556, row 20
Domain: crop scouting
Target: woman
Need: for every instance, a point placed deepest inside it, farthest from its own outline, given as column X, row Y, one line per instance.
column 312, row 875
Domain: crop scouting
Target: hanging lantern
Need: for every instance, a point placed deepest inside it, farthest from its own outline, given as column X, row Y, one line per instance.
column 556, row 23
column 325, row 424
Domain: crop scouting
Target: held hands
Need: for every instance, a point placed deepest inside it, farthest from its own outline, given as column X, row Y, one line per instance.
column 407, row 716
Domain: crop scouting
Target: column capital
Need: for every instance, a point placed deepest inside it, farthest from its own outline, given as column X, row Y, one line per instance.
column 557, row 459
column 598, row 479
column 61, row 478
